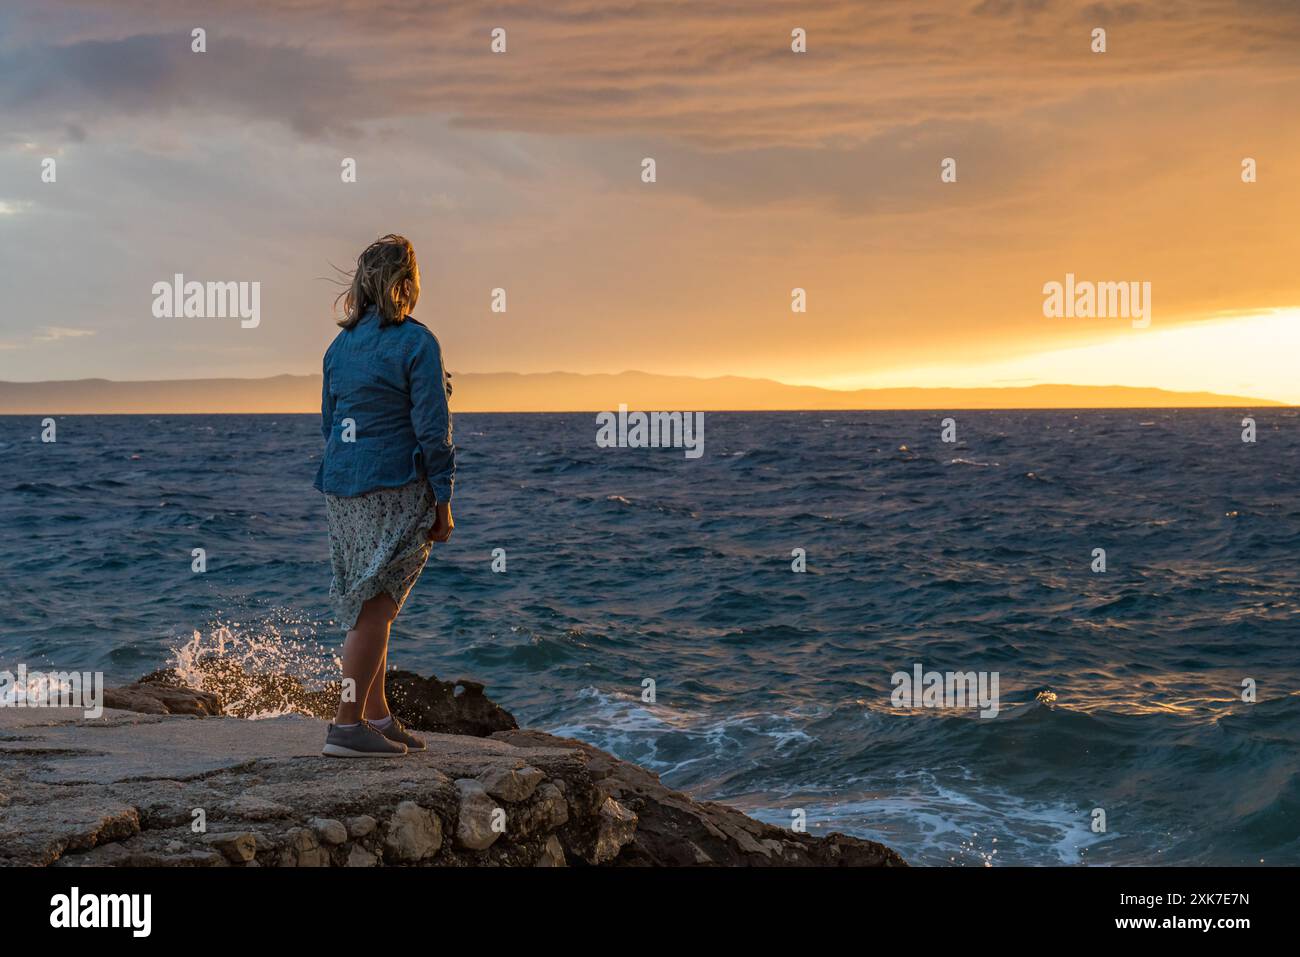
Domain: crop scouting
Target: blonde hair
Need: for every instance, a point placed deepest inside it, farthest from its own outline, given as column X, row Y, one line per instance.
column 387, row 278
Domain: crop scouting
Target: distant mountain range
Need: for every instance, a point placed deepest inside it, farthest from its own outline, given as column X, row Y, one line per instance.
column 574, row 392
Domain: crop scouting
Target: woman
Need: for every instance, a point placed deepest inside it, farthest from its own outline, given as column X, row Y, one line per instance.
column 387, row 473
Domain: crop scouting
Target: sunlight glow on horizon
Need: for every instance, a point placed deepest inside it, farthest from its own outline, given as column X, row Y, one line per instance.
column 1254, row 355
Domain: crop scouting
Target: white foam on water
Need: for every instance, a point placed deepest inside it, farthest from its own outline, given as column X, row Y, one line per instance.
column 632, row 728
column 929, row 822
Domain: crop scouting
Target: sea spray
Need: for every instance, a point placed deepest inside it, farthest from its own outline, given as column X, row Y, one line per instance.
column 256, row 669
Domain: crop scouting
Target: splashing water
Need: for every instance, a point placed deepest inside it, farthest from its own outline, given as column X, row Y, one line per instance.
column 260, row 669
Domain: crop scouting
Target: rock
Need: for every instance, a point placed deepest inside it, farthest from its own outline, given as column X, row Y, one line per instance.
column 673, row 830
column 121, row 790
column 45, row 830
column 151, row 697
column 512, row 784
column 552, row 854
column 360, row 857
column 254, row 808
column 106, row 855
column 448, row 707
column 137, row 851
column 474, row 830
column 237, row 848
column 414, row 834
column 243, row 694
column 363, row 825
column 302, row 849
column 116, row 855
column 616, row 827
column 424, row 704
column 547, row 812
column 328, row 831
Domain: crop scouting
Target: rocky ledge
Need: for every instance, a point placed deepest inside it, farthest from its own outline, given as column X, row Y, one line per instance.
column 203, row 788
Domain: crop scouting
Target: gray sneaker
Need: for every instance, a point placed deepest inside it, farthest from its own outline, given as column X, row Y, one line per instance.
column 360, row 741
column 395, row 732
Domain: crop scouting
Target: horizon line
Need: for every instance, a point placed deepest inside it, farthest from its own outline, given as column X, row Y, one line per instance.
column 810, row 411
column 578, row 392
column 696, row 378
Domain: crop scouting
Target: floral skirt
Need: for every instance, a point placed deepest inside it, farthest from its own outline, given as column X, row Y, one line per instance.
column 379, row 542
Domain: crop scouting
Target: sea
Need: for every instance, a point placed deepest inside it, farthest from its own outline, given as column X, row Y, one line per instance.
column 736, row 622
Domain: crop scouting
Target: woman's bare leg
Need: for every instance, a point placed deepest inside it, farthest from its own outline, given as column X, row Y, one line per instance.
column 364, row 651
column 376, row 706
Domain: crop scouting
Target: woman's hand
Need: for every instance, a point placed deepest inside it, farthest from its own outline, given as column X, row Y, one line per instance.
column 442, row 523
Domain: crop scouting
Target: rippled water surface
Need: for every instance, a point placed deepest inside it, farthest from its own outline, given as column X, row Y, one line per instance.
column 1119, row 691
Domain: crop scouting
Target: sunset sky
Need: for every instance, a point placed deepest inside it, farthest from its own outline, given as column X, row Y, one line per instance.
column 775, row 170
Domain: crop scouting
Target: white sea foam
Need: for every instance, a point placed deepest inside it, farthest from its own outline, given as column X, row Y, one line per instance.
column 949, row 823
column 634, row 729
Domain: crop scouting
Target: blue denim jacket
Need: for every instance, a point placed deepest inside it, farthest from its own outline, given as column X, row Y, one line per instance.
column 390, row 382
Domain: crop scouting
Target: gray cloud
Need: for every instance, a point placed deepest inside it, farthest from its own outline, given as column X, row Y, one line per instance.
column 715, row 73
column 79, row 85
